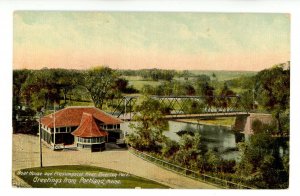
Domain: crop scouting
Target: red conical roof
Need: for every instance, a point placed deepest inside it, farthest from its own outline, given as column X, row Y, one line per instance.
column 88, row 127
column 71, row 116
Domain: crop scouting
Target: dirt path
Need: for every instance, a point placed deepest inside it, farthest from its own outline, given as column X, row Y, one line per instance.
column 26, row 155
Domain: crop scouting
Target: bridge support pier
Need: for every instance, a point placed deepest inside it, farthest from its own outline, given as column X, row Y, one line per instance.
column 244, row 123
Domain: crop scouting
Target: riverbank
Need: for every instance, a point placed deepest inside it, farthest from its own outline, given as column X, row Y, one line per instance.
column 214, row 181
column 221, row 121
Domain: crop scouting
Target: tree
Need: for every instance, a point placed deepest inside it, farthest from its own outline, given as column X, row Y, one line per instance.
column 214, row 76
column 226, row 91
column 225, row 99
column 192, row 106
column 186, row 74
column 189, row 153
column 212, row 161
column 99, row 82
column 149, row 124
column 286, row 162
column 121, row 84
column 274, row 91
column 41, row 89
column 259, row 127
column 253, row 151
column 214, row 80
column 37, row 89
column 44, row 87
column 154, row 74
column 67, row 80
column 148, row 90
column 202, row 79
column 25, row 122
column 166, row 89
column 260, row 163
column 178, row 88
column 169, row 148
column 202, row 82
column 247, row 101
column 19, row 77
column 208, row 92
column 168, row 75
column 190, row 90
column 157, row 74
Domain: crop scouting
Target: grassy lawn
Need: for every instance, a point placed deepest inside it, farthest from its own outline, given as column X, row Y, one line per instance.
column 80, row 176
column 139, row 84
column 223, row 121
column 224, row 75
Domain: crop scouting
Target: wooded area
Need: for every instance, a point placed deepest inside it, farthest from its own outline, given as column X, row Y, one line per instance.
column 266, row 91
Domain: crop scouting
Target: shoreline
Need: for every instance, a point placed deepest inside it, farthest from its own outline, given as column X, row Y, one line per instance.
column 191, row 121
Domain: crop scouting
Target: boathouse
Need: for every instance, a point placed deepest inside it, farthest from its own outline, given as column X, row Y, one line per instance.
column 81, row 127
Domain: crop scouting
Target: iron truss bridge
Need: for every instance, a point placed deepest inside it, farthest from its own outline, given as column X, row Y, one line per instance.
column 178, row 107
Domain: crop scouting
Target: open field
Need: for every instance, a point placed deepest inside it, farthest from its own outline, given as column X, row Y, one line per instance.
column 26, row 155
column 138, row 82
column 223, row 75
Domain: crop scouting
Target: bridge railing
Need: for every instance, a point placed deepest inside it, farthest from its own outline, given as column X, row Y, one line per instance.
column 187, row 172
column 179, row 105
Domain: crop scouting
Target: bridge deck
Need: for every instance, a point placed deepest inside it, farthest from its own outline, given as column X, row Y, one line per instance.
column 127, row 116
column 206, row 115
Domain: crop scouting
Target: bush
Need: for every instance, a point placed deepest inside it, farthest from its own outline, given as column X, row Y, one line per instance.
column 24, row 122
column 169, row 148
column 259, row 127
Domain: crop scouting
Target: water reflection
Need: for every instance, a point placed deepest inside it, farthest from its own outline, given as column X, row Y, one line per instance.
column 218, row 138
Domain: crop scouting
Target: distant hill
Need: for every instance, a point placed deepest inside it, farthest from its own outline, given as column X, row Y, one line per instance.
column 223, row 75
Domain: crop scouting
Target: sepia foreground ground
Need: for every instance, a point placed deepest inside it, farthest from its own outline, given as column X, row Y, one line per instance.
column 26, row 155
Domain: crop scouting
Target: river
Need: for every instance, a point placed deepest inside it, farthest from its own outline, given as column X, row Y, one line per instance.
column 218, row 138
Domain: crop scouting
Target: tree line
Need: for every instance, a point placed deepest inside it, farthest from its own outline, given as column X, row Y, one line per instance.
column 267, row 91
column 260, row 164
column 37, row 90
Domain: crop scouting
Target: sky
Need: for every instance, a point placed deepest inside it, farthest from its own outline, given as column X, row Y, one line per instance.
column 138, row 40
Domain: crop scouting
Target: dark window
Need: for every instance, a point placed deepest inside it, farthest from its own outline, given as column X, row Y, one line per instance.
column 73, row 128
